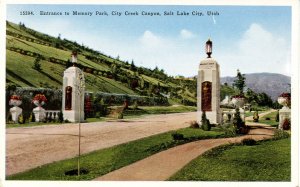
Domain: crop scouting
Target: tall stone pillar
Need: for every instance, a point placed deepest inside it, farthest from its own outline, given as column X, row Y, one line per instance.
column 208, row 88
column 73, row 94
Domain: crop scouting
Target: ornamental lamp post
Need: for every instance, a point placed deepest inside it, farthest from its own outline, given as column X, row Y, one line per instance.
column 74, row 58
column 208, row 48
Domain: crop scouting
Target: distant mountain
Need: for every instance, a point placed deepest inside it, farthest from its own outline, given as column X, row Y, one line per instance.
column 272, row 84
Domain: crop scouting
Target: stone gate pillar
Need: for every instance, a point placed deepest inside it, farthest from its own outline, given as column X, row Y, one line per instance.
column 73, row 93
column 208, row 88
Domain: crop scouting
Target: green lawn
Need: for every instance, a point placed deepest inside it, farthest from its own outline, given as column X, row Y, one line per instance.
column 106, row 160
column 150, row 110
column 267, row 161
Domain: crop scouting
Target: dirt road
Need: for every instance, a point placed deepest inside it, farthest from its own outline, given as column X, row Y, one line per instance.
column 31, row 147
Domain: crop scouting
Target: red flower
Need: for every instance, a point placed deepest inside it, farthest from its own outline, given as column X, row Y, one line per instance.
column 15, row 97
column 285, row 95
column 40, row 98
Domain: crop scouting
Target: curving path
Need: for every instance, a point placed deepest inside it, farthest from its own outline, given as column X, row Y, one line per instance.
column 163, row 165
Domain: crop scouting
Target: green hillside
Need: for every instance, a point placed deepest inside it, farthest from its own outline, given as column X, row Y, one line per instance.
column 103, row 73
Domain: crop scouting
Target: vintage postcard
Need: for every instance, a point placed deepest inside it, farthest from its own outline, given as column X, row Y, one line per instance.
column 142, row 92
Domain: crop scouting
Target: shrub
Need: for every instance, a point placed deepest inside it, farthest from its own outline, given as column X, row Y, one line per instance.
column 177, row 136
column 98, row 115
column 286, row 124
column 194, row 124
column 255, row 116
column 229, row 131
column 277, row 117
column 60, row 117
column 120, row 115
column 280, row 134
column 248, row 141
column 32, row 117
column 205, row 124
column 20, row 119
column 237, row 120
column 9, row 118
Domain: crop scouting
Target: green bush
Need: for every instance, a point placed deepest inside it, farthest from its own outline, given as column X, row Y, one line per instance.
column 98, row 115
column 229, row 130
column 60, row 117
column 120, row 115
column 239, row 123
column 248, row 141
column 277, row 117
column 255, row 116
column 21, row 119
column 280, row 134
column 32, row 117
column 205, row 124
column 177, row 136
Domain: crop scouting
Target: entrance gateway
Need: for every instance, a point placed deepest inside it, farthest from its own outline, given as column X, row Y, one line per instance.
column 208, row 88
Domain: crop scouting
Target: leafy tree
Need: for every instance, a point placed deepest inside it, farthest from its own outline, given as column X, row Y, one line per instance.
column 264, row 100
column 239, row 82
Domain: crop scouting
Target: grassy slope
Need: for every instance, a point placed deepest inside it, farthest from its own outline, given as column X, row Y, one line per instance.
column 21, row 65
column 95, row 83
column 267, row 161
column 106, row 160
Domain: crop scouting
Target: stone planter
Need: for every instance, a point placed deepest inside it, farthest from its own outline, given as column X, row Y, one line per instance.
column 39, row 112
column 38, row 103
column 15, row 110
column 284, row 101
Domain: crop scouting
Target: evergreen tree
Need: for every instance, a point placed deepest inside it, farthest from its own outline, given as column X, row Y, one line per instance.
column 239, row 82
column 237, row 120
column 205, row 124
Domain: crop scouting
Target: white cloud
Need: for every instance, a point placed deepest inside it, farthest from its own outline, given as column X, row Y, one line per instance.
column 258, row 50
column 186, row 34
column 150, row 40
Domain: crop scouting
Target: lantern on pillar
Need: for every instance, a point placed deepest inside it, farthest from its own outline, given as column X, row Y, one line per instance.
column 74, row 57
column 208, row 48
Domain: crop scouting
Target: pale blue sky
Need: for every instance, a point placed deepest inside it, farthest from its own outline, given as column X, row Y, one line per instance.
column 249, row 38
